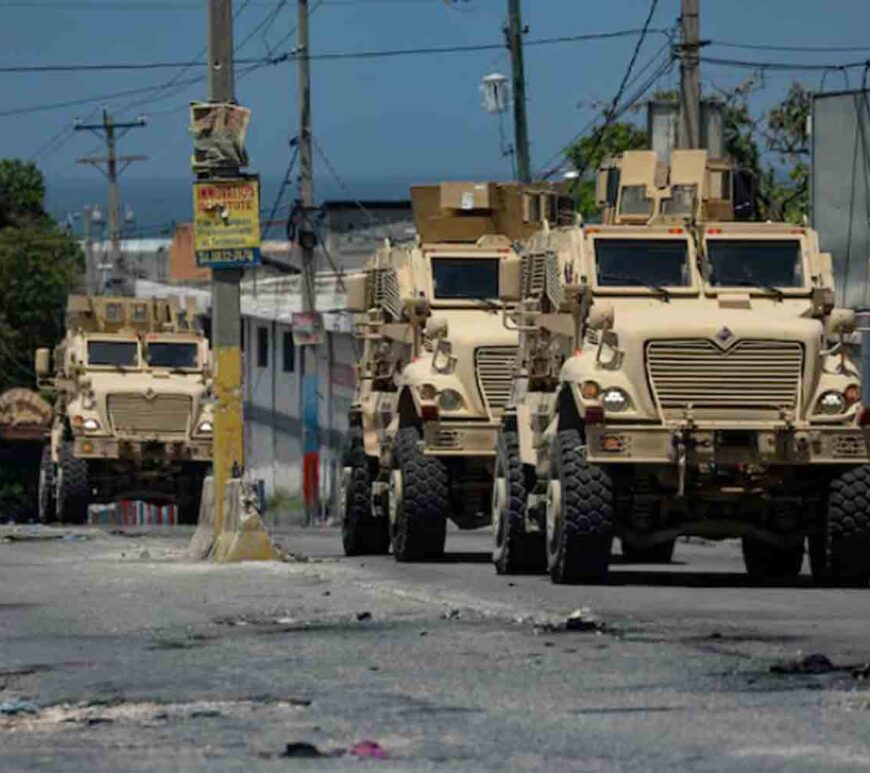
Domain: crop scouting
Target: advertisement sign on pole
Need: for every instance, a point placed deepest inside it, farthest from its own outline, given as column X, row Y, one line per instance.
column 226, row 223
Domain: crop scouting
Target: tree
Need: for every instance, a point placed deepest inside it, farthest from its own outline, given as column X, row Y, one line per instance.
column 39, row 265
column 22, row 194
column 587, row 154
column 781, row 182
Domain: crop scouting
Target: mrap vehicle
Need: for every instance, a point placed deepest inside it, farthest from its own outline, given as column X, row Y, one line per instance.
column 680, row 373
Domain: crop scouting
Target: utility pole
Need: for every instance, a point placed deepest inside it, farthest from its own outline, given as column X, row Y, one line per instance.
column 514, row 33
column 109, row 166
column 689, row 130
column 225, row 285
column 305, row 234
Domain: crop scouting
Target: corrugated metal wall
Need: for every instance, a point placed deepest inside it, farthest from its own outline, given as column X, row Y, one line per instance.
column 840, row 188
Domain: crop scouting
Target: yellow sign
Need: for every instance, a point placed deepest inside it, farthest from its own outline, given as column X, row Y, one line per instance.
column 226, row 215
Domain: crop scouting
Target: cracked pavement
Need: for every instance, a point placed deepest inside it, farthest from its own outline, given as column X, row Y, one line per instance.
column 126, row 655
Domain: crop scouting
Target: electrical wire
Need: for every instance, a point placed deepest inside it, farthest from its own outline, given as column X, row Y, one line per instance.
column 284, row 185
column 792, row 49
column 340, row 181
column 610, row 112
column 783, row 66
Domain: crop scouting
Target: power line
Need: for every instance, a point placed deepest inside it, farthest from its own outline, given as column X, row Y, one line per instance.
column 335, row 55
column 792, row 49
column 610, row 112
column 783, row 66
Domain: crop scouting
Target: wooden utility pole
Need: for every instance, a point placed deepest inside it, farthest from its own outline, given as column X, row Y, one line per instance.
column 111, row 165
column 514, row 32
column 306, row 237
column 689, row 130
column 225, row 287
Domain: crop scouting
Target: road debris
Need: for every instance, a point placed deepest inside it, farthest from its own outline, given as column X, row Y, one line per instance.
column 17, row 706
column 368, row 750
column 579, row 621
column 361, row 616
column 816, row 663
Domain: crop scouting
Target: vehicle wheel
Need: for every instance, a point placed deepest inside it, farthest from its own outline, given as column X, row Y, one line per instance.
column 763, row 560
column 661, row 553
column 420, row 500
column 579, row 514
column 189, row 495
column 840, row 549
column 45, row 496
column 515, row 550
column 73, row 494
column 361, row 532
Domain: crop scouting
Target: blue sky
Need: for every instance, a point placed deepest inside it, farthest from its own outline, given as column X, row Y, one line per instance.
column 414, row 117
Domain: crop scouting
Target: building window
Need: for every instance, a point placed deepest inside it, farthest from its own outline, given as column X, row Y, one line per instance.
column 289, row 351
column 262, row 347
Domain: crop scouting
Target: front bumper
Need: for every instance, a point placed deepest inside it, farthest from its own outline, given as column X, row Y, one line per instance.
column 139, row 450
column 459, row 438
column 727, row 445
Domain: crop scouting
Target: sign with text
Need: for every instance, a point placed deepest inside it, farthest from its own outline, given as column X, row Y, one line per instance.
column 226, row 222
column 307, row 328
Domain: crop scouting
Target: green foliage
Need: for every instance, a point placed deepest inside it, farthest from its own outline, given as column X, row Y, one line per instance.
column 773, row 149
column 22, row 193
column 587, row 154
column 39, row 265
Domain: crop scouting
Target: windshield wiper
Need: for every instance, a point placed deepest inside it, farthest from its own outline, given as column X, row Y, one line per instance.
column 634, row 280
column 490, row 304
column 758, row 286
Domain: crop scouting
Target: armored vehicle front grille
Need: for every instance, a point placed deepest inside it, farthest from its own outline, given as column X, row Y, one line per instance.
column 168, row 414
column 495, row 368
column 849, row 446
column 753, row 377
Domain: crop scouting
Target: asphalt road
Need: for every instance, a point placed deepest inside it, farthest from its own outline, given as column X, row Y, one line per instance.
column 131, row 657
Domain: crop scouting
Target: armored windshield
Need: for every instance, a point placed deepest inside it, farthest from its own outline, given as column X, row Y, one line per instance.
column 642, row 262
column 171, row 354
column 465, row 278
column 755, row 263
column 123, row 354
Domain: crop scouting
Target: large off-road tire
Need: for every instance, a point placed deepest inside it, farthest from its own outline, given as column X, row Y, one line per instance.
column 421, row 501
column 840, row 548
column 661, row 553
column 189, row 493
column 72, row 492
column 46, row 510
column 580, row 514
column 516, row 550
column 766, row 561
column 361, row 532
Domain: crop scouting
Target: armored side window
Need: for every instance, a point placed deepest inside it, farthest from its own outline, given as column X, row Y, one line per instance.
column 262, row 347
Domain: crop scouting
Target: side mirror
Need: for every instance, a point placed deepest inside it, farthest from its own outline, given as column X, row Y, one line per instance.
column 42, row 363
column 437, row 327
column 357, row 301
column 510, row 279
column 840, row 321
column 601, row 316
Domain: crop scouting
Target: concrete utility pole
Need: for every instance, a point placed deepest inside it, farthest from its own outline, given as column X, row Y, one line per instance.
column 689, row 130
column 514, row 32
column 305, row 234
column 225, row 287
column 109, row 166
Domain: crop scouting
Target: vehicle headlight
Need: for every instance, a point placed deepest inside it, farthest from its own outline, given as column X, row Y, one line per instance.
column 205, row 427
column 450, row 400
column 831, row 403
column 615, row 400
column 428, row 392
column 90, row 425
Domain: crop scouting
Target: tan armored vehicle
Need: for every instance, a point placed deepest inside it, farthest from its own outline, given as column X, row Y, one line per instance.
column 435, row 369
column 25, row 420
column 680, row 373
column 133, row 419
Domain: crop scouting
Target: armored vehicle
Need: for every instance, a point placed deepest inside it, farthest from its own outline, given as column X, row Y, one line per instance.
column 25, row 420
column 133, row 417
column 680, row 373
column 435, row 369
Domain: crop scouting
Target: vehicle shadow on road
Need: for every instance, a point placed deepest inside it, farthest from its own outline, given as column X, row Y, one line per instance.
column 466, row 557
column 664, row 578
